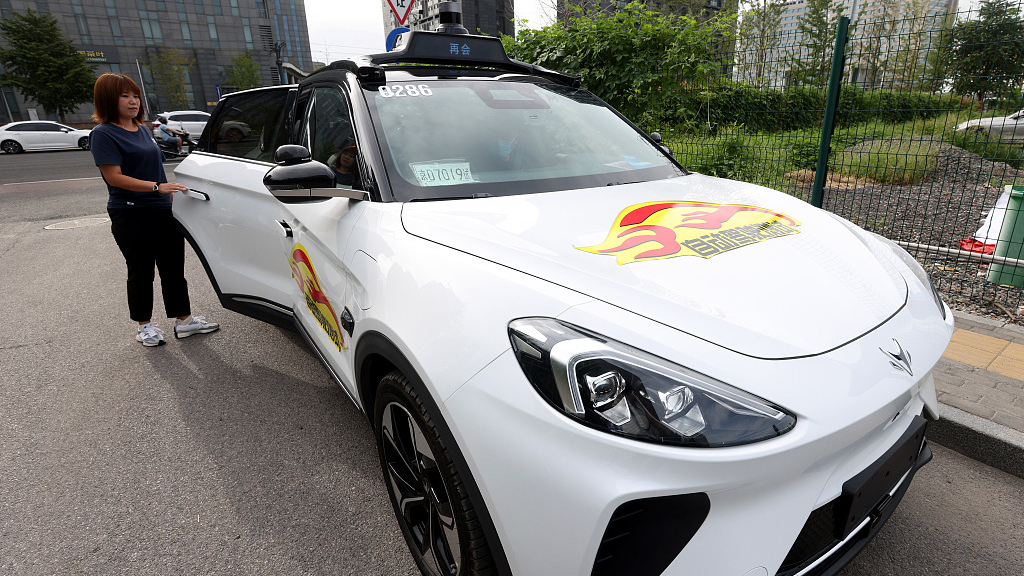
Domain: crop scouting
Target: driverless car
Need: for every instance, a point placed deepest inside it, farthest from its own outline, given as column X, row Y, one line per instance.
column 1001, row 128
column 41, row 135
column 577, row 357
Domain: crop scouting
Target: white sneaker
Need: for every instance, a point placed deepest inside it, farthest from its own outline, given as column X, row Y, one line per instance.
column 194, row 325
column 150, row 335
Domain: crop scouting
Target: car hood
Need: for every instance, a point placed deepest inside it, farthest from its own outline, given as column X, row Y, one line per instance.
column 747, row 268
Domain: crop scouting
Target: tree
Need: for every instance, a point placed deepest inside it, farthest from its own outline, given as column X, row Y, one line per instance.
column 170, row 72
column 986, row 53
column 758, row 40
column 44, row 65
column 630, row 58
column 811, row 63
column 244, row 72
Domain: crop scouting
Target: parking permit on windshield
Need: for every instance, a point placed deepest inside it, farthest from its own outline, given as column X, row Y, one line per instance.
column 443, row 173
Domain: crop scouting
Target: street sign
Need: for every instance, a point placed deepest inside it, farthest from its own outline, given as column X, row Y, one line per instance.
column 389, row 43
column 401, row 8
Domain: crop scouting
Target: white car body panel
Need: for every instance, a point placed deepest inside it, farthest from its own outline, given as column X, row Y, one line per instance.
column 237, row 227
column 751, row 307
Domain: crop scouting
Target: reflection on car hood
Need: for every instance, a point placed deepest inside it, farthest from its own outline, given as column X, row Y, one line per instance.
column 747, row 268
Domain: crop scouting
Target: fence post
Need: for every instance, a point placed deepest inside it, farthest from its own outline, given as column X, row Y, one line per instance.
column 828, row 124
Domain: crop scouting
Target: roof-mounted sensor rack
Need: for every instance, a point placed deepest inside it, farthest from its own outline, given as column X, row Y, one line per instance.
column 441, row 48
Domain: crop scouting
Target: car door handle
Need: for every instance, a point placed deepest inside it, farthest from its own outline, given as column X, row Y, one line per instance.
column 197, row 194
column 287, row 228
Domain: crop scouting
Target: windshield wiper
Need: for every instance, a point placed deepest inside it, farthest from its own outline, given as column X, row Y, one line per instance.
column 469, row 197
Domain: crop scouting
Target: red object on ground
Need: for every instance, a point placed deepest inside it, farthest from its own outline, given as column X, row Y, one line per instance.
column 972, row 245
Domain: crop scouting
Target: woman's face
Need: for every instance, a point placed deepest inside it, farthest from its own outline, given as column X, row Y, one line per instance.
column 346, row 160
column 128, row 105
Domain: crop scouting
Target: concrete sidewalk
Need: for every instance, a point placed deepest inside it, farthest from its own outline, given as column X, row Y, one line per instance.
column 980, row 386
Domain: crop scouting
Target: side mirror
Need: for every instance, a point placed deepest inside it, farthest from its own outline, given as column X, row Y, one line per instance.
column 290, row 154
column 298, row 178
column 656, row 136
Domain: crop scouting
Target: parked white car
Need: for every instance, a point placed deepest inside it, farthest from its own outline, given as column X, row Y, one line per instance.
column 191, row 121
column 577, row 357
column 41, row 135
column 1004, row 128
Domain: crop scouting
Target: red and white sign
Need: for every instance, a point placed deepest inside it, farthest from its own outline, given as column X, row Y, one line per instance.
column 401, row 8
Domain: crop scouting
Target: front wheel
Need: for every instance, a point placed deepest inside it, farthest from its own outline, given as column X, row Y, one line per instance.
column 433, row 509
column 83, row 142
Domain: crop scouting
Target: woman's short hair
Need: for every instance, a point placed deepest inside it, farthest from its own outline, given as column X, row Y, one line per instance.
column 106, row 94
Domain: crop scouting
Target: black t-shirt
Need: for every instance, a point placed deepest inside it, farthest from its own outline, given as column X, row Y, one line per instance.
column 138, row 156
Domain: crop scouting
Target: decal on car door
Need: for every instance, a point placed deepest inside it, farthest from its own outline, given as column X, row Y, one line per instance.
column 656, row 230
column 316, row 300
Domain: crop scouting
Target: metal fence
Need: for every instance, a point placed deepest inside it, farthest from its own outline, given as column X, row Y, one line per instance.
column 880, row 145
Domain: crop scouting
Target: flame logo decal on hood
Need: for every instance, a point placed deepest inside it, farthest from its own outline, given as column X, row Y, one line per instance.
column 656, row 230
column 316, row 300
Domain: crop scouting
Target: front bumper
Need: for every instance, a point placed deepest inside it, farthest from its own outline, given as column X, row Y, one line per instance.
column 552, row 486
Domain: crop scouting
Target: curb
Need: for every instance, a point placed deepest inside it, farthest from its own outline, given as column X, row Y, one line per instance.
column 975, row 437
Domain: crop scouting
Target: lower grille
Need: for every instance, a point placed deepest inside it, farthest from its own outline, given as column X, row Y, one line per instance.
column 644, row 536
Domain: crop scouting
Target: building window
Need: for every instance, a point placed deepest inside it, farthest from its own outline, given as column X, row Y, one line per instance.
column 248, row 33
column 186, row 34
column 200, row 9
column 115, row 68
column 115, row 31
column 234, row 8
column 261, row 9
column 213, row 31
column 111, row 9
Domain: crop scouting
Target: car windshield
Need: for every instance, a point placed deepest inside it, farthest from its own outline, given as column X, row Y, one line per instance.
column 471, row 138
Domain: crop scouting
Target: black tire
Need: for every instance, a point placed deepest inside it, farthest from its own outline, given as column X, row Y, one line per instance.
column 83, row 142
column 11, row 147
column 430, row 501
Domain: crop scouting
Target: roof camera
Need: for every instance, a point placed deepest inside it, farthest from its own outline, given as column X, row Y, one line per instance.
column 450, row 16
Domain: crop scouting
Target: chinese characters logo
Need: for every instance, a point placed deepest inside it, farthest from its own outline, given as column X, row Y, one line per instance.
column 656, row 230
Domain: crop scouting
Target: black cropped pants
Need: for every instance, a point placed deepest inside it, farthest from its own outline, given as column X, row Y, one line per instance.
column 148, row 238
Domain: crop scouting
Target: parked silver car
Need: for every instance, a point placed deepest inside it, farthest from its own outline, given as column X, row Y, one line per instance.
column 41, row 135
column 1004, row 128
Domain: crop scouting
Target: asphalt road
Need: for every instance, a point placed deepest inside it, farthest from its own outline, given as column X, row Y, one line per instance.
column 235, row 453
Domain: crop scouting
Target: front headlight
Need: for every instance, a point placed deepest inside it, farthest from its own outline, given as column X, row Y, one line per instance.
column 616, row 388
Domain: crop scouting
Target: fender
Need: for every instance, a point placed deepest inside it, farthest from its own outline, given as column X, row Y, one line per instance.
column 375, row 356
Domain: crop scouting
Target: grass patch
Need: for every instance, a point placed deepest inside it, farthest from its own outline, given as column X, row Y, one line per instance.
column 888, row 161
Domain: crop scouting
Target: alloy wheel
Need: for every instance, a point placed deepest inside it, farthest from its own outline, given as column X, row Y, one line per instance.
column 417, row 486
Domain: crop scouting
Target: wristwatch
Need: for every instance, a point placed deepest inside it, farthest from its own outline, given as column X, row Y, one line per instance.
column 156, row 186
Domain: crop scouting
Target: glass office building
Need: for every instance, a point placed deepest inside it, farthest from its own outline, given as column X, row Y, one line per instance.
column 124, row 36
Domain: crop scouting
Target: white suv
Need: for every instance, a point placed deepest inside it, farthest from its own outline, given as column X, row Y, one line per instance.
column 576, row 356
column 191, row 121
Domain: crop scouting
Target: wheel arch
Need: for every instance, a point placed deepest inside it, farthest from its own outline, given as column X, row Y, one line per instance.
column 376, row 356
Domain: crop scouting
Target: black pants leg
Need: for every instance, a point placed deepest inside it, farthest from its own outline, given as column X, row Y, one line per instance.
column 149, row 238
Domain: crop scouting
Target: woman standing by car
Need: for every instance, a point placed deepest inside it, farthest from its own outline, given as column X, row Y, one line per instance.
column 139, row 205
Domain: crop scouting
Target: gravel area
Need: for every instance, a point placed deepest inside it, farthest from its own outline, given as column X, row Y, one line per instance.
column 944, row 208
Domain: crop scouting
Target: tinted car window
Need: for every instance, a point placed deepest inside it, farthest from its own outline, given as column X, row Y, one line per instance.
column 329, row 125
column 249, row 125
